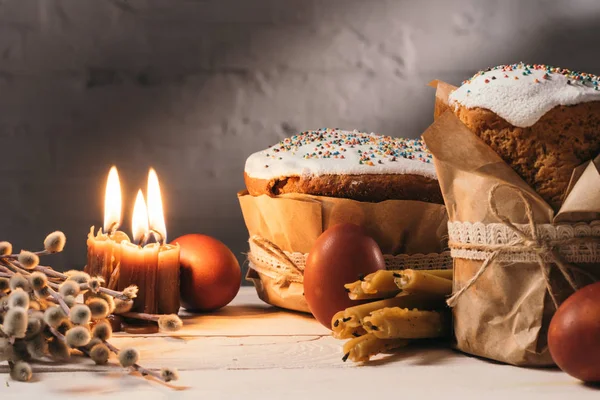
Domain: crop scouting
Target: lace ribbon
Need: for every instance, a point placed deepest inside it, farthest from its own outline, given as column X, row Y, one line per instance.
column 544, row 244
column 285, row 267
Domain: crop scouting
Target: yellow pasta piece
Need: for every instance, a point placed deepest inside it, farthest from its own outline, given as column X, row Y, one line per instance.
column 414, row 281
column 363, row 348
column 345, row 327
column 348, row 323
column 396, row 322
column 442, row 273
column 355, row 292
column 377, row 282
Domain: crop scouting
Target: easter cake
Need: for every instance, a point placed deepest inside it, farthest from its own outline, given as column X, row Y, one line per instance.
column 542, row 121
column 345, row 164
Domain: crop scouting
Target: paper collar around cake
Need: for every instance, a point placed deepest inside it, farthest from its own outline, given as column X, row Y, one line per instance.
column 522, row 94
column 339, row 152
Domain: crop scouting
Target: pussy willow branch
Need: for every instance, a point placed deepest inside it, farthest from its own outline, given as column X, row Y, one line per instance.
column 110, row 292
column 142, row 316
column 135, row 366
column 16, row 267
column 38, row 253
column 60, row 301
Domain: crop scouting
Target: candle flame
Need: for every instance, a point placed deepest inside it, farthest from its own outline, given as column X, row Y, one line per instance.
column 156, row 214
column 112, row 201
column 139, row 220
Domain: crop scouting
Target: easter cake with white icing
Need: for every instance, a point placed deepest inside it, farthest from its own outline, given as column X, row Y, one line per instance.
column 347, row 164
column 543, row 121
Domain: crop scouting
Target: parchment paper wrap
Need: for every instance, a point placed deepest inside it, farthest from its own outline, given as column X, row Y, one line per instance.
column 505, row 314
column 406, row 231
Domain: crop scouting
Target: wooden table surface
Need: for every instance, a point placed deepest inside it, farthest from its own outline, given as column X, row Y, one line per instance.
column 250, row 350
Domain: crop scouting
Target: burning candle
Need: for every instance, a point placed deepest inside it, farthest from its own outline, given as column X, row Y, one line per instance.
column 168, row 255
column 153, row 267
column 104, row 248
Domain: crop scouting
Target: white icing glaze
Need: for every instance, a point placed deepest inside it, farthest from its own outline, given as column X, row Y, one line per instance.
column 341, row 154
column 522, row 94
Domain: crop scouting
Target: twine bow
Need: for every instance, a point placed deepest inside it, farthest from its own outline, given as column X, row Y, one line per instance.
column 545, row 251
column 286, row 272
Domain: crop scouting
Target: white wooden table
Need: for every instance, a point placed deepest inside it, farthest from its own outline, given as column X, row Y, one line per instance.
column 250, row 350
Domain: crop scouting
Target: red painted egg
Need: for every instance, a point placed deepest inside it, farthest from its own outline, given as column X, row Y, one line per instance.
column 574, row 334
column 340, row 255
column 210, row 273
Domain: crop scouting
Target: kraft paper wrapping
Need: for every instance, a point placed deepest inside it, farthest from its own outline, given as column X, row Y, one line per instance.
column 505, row 314
column 294, row 221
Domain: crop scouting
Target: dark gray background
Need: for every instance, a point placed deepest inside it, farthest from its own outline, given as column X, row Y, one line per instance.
column 193, row 87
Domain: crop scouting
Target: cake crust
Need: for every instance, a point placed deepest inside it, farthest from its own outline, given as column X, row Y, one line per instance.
column 546, row 153
column 371, row 188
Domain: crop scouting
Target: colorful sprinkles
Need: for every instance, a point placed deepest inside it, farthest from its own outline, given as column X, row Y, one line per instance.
column 327, row 143
column 581, row 78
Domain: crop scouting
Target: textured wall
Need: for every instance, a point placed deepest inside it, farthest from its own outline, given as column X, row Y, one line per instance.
column 193, row 87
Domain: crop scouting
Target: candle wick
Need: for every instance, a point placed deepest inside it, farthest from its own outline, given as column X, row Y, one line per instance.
column 160, row 238
column 143, row 240
column 112, row 228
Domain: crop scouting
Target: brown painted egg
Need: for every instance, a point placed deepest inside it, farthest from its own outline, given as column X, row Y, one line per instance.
column 340, row 255
column 574, row 334
column 210, row 273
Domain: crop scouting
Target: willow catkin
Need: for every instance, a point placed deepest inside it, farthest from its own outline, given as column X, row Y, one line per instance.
column 169, row 374
column 28, row 259
column 15, row 322
column 18, row 298
column 98, row 307
column 55, row 242
column 19, row 281
column 109, row 300
column 122, row 306
column 169, row 323
column 100, row 354
column 78, row 336
column 128, row 357
column 102, row 330
column 131, row 292
column 38, row 280
column 21, row 371
column 69, row 288
column 80, row 314
column 5, row 248
column 4, row 285
column 95, row 283
column 53, row 316
column 78, row 276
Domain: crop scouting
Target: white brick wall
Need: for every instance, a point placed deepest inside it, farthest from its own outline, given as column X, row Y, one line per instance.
column 193, row 87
